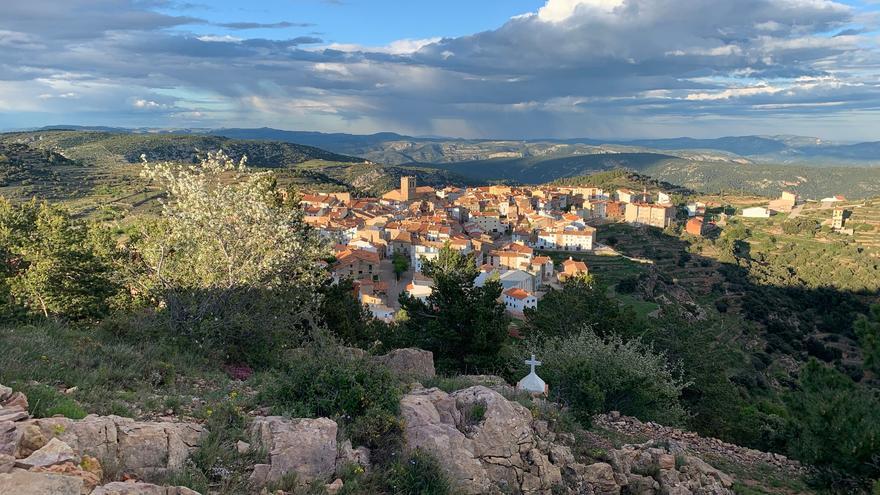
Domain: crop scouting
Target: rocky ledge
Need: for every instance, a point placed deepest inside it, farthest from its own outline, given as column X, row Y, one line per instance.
column 61, row 456
column 695, row 443
column 490, row 445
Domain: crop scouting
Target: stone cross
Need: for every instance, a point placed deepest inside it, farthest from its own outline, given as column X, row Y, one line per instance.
column 533, row 383
column 533, row 362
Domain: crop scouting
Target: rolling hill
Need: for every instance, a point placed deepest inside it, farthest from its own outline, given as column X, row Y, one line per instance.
column 98, row 171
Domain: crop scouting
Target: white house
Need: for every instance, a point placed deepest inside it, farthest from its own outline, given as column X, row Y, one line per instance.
column 577, row 240
column 516, row 300
column 756, row 212
column 381, row 312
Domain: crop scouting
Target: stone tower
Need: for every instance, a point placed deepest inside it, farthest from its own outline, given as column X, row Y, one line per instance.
column 407, row 187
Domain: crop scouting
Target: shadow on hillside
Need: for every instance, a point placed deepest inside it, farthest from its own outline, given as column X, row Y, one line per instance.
column 792, row 320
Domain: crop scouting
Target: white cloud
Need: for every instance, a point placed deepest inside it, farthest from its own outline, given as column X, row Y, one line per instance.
column 398, row 47
column 560, row 10
column 210, row 38
column 733, row 93
column 143, row 104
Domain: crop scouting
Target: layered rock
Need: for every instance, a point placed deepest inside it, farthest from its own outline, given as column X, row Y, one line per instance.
column 141, row 448
column 484, row 442
column 51, row 456
column 487, row 444
column 695, row 443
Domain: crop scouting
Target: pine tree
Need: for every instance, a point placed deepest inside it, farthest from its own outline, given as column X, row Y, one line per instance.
column 463, row 325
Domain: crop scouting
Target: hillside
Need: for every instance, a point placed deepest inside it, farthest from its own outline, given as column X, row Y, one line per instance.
column 97, row 172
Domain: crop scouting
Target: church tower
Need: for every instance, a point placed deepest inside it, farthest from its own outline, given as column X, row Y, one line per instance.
column 407, row 187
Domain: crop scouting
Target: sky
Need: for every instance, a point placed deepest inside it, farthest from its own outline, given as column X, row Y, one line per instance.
column 509, row 69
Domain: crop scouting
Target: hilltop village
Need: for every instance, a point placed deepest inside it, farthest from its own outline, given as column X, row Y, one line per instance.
column 381, row 243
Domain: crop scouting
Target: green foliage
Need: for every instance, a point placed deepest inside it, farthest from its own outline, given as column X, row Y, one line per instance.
column 867, row 329
column 580, row 302
column 48, row 265
column 400, row 264
column 347, row 319
column 229, row 269
column 217, row 464
column 593, row 374
column 463, row 325
column 109, row 373
column 716, row 404
column 323, row 382
column 419, row 474
column 835, row 423
column 45, row 402
column 801, row 225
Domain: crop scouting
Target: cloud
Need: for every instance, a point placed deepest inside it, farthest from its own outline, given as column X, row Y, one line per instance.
column 258, row 25
column 608, row 68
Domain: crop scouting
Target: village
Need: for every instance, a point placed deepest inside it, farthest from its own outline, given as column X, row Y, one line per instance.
column 381, row 243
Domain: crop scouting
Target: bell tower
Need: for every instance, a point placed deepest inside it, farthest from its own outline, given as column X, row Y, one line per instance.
column 407, row 187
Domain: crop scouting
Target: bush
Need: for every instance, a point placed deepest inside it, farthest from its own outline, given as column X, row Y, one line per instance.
column 835, row 424
column 592, row 374
column 420, row 474
column 363, row 396
column 45, row 402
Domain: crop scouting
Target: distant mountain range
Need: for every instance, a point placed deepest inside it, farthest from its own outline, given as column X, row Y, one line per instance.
column 399, row 149
column 755, row 164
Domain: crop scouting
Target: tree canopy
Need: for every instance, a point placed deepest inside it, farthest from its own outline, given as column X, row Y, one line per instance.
column 463, row 325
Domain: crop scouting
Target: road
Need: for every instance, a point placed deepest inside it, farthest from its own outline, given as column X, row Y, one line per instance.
column 386, row 274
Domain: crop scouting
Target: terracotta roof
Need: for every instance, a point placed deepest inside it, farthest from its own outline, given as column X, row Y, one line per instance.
column 517, row 293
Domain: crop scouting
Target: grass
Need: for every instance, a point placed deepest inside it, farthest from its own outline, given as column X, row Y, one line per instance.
column 110, row 376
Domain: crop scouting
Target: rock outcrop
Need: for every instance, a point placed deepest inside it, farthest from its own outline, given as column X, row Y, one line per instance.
column 140, row 448
column 695, row 443
column 411, row 364
column 61, row 456
column 306, row 447
column 487, row 444
column 21, row 482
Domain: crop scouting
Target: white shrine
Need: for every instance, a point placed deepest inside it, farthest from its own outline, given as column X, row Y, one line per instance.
column 533, row 383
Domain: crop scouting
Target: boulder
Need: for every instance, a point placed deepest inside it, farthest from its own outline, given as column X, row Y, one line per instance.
column 54, row 452
column 32, row 439
column 9, row 438
column 333, row 488
column 348, row 455
column 16, row 400
column 5, row 393
column 90, row 479
column 306, row 447
column 135, row 488
column 484, row 442
column 21, row 482
column 600, row 477
column 7, row 462
column 412, row 364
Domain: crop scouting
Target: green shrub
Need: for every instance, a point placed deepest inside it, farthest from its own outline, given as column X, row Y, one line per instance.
column 593, row 374
column 45, row 401
column 419, row 474
column 315, row 384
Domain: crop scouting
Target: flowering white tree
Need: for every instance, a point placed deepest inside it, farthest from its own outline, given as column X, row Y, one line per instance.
column 228, row 262
column 226, row 229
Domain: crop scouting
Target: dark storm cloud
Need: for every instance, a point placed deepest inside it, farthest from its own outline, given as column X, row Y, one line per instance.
column 601, row 64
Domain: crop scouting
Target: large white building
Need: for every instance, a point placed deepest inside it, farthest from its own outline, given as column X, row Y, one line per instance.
column 516, row 300
column 756, row 212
